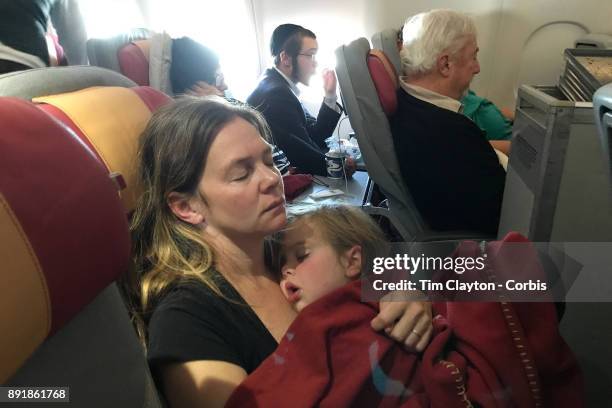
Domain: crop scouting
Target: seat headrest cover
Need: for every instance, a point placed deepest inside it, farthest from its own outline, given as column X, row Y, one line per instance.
column 102, row 52
column 385, row 80
column 112, row 119
column 63, row 230
column 134, row 64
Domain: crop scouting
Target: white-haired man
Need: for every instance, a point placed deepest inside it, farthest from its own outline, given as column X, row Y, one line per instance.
column 449, row 167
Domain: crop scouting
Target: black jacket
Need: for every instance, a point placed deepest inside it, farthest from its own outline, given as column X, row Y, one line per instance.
column 23, row 26
column 295, row 131
column 450, row 168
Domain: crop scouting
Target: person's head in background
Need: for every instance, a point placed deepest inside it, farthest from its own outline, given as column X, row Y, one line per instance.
column 440, row 51
column 294, row 49
column 326, row 249
column 195, row 69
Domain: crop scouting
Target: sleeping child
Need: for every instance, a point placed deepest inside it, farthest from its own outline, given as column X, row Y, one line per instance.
column 479, row 353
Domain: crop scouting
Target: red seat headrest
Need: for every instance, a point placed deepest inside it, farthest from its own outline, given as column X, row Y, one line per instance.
column 385, row 80
column 134, row 64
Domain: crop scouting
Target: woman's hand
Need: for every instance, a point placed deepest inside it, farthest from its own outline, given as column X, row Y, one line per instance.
column 407, row 322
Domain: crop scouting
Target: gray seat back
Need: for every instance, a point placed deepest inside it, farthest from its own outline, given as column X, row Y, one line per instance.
column 386, row 41
column 374, row 134
column 49, row 81
column 102, row 52
column 97, row 355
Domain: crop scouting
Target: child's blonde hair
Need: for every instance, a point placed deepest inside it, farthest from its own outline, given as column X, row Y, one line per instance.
column 344, row 227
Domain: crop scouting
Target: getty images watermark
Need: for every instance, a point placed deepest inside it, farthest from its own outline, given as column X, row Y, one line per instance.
column 496, row 271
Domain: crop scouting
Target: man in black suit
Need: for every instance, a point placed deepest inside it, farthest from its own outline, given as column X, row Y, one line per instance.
column 300, row 135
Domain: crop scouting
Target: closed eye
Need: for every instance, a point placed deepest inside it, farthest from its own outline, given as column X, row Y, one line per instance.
column 241, row 173
column 301, row 257
column 242, row 177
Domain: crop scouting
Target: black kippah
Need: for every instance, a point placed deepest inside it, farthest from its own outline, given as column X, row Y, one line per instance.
column 280, row 36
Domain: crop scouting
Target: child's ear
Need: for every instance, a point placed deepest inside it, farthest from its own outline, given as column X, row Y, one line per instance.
column 186, row 208
column 352, row 261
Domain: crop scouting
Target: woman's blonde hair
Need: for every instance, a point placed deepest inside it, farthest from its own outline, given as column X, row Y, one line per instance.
column 344, row 227
column 172, row 156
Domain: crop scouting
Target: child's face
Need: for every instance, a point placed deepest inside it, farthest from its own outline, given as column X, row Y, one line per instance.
column 311, row 267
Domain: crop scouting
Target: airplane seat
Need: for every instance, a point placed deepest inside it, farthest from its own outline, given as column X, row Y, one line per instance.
column 368, row 82
column 374, row 135
column 386, row 40
column 49, row 81
column 582, row 326
column 97, row 353
column 65, row 241
column 103, row 52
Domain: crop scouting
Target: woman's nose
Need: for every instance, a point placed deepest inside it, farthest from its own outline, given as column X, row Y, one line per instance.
column 270, row 177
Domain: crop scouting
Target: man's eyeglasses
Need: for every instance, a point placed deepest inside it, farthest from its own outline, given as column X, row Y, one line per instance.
column 313, row 57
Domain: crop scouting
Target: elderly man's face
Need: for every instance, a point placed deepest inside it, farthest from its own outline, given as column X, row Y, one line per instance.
column 465, row 66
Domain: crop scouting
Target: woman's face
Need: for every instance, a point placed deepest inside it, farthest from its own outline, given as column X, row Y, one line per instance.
column 242, row 191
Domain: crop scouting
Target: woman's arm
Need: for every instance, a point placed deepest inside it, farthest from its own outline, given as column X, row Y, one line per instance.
column 200, row 383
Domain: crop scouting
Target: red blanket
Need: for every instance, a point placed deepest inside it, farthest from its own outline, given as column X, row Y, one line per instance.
column 486, row 354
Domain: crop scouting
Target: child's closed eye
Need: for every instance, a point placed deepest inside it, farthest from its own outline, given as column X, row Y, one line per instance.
column 301, row 254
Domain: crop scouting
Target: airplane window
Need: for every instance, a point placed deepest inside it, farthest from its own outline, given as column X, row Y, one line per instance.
column 111, row 17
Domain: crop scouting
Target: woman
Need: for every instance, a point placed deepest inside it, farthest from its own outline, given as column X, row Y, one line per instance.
column 211, row 303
